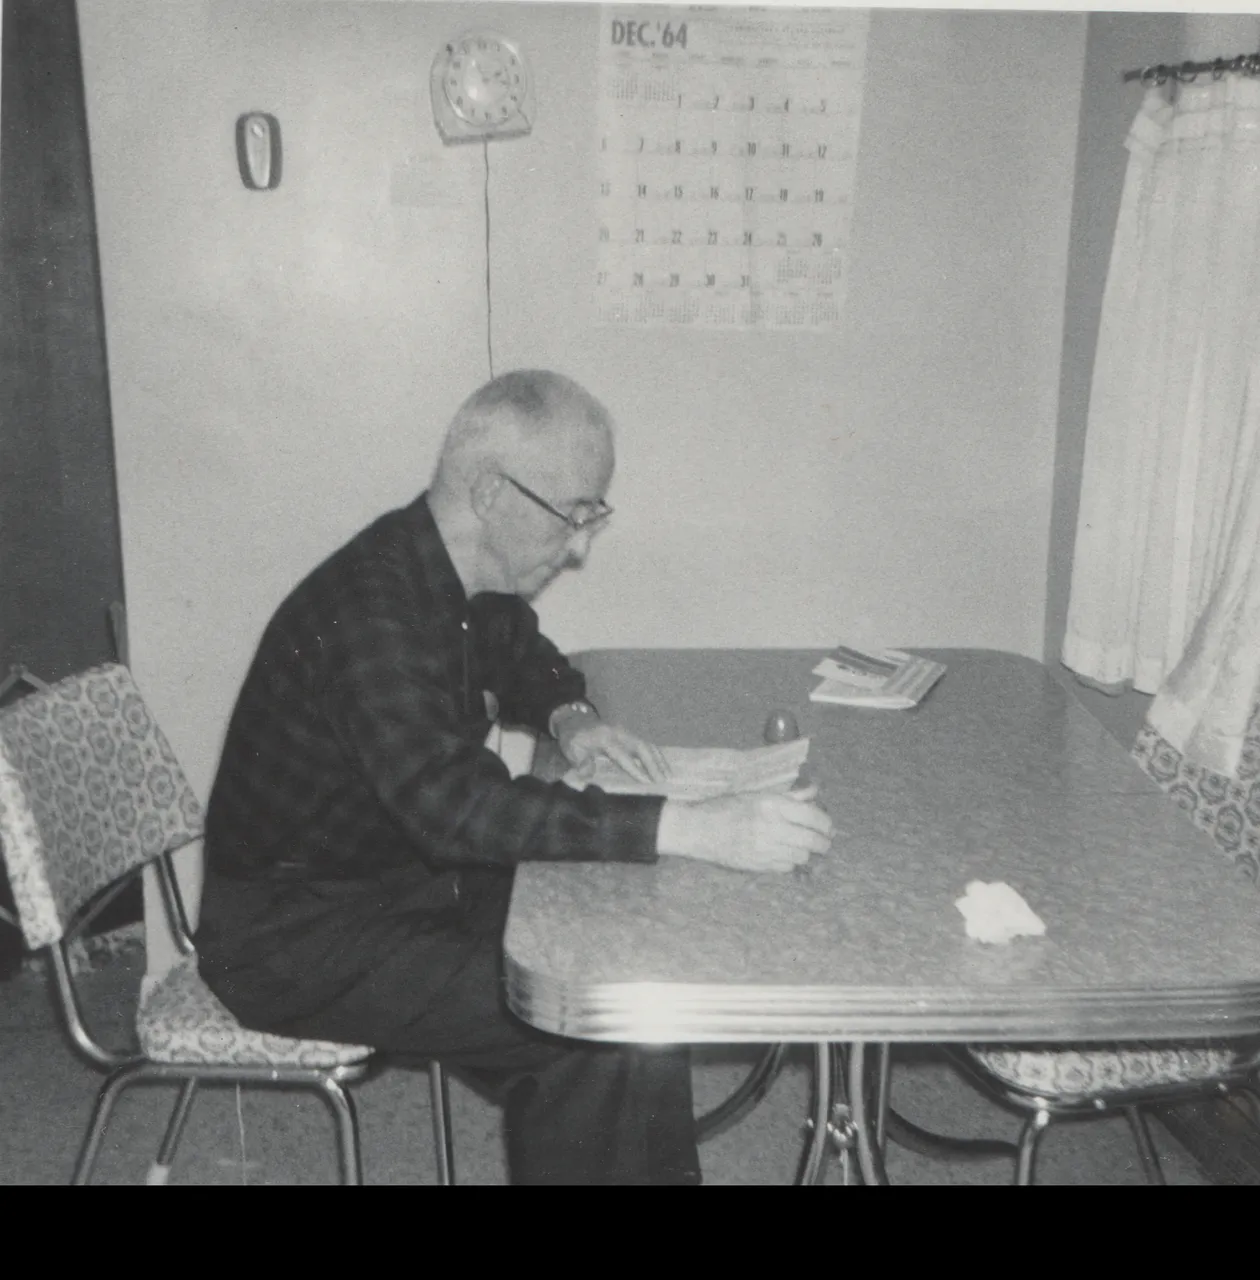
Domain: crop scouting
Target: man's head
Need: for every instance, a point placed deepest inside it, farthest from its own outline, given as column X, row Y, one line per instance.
column 520, row 482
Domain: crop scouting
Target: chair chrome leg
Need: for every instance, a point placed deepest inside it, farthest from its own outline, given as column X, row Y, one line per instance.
column 1029, row 1141
column 443, row 1141
column 105, row 1099
column 1246, row 1097
column 1145, row 1146
column 347, row 1131
column 160, row 1170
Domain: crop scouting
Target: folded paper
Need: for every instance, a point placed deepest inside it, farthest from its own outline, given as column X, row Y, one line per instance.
column 699, row 773
column 995, row 913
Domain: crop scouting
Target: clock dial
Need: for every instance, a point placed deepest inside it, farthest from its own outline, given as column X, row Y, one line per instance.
column 484, row 81
column 481, row 87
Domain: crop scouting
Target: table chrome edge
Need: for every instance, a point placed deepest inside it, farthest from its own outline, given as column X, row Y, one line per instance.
column 725, row 1013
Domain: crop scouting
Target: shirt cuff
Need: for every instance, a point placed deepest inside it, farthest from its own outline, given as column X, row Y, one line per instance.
column 628, row 826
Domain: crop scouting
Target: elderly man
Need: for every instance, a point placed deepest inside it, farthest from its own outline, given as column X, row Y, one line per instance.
column 361, row 837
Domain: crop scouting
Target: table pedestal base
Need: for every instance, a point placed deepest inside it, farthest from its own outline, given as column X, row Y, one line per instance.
column 851, row 1115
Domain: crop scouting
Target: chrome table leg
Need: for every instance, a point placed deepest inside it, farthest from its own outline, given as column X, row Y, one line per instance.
column 746, row 1097
column 870, row 1156
column 883, row 1092
column 814, row 1161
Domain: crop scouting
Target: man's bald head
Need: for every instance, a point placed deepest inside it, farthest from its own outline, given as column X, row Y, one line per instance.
column 529, row 417
column 521, row 457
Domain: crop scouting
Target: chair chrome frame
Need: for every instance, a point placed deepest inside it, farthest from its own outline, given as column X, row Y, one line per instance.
column 53, row 920
column 127, row 1069
column 1040, row 1111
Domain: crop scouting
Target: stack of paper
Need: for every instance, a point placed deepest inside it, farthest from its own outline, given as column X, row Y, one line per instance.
column 886, row 678
column 698, row 773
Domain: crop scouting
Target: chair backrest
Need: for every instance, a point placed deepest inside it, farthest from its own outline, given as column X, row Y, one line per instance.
column 1228, row 809
column 89, row 791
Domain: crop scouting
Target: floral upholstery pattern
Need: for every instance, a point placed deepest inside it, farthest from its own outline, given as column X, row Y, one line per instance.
column 1228, row 809
column 89, row 790
column 1109, row 1070
column 182, row 1020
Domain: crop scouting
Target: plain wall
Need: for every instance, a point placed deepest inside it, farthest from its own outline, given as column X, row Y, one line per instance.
column 283, row 363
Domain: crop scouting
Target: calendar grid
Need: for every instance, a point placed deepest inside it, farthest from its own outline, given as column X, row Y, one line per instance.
column 727, row 150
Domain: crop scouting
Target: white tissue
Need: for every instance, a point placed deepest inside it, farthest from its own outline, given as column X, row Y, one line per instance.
column 996, row 913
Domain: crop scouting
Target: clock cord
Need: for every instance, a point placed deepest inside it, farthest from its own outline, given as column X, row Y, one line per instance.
column 485, row 150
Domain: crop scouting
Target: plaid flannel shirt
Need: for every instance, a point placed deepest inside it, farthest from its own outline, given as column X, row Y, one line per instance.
column 357, row 745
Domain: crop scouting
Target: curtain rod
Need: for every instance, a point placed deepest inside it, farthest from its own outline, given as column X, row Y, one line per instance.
column 1247, row 64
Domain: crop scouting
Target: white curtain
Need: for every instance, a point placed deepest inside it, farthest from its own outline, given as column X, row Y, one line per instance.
column 1165, row 585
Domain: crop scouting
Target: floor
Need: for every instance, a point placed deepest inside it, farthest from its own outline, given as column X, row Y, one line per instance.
column 276, row 1137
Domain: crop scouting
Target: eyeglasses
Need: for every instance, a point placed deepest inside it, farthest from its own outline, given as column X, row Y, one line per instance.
column 584, row 515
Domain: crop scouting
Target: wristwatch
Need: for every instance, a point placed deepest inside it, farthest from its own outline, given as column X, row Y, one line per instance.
column 580, row 706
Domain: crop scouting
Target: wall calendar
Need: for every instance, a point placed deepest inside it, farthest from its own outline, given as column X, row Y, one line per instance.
column 727, row 147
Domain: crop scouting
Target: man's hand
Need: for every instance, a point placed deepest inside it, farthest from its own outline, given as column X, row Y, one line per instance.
column 769, row 831
column 588, row 739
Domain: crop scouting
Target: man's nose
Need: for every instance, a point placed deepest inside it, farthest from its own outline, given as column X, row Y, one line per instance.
column 580, row 545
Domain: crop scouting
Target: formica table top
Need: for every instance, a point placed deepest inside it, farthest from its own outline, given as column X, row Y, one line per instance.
column 1000, row 774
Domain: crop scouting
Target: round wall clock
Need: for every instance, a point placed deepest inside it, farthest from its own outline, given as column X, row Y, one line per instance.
column 481, row 88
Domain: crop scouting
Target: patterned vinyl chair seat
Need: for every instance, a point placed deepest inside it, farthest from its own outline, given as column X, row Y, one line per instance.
column 1228, row 809
column 1110, row 1070
column 181, row 1020
column 90, row 792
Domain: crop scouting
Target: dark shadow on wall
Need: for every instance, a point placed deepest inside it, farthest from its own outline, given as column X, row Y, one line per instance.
column 60, row 562
column 60, row 558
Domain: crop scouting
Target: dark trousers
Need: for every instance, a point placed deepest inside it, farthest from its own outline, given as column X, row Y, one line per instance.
column 574, row 1113
column 376, row 971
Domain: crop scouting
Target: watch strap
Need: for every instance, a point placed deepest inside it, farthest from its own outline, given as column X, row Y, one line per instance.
column 577, row 705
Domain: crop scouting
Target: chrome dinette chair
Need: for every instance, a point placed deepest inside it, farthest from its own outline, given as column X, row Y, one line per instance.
column 1049, row 1082
column 90, row 794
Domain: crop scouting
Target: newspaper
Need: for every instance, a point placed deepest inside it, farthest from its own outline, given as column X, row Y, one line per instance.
column 888, row 679
column 699, row 773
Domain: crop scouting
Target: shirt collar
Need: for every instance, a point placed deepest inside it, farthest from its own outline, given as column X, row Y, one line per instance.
column 435, row 561
column 439, row 571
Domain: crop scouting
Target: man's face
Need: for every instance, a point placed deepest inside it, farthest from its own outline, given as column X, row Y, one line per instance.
column 534, row 545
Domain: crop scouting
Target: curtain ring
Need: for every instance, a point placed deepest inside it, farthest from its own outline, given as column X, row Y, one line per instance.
column 1186, row 73
column 1152, row 76
column 1219, row 68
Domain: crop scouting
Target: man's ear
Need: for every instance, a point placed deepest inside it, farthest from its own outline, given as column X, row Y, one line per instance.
column 485, row 492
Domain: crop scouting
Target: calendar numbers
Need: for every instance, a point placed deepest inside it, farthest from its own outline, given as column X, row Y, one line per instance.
column 726, row 160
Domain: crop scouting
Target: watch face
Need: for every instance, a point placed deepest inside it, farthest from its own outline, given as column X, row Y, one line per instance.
column 484, row 80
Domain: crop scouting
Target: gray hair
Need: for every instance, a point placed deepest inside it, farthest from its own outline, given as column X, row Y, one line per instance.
column 515, row 411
